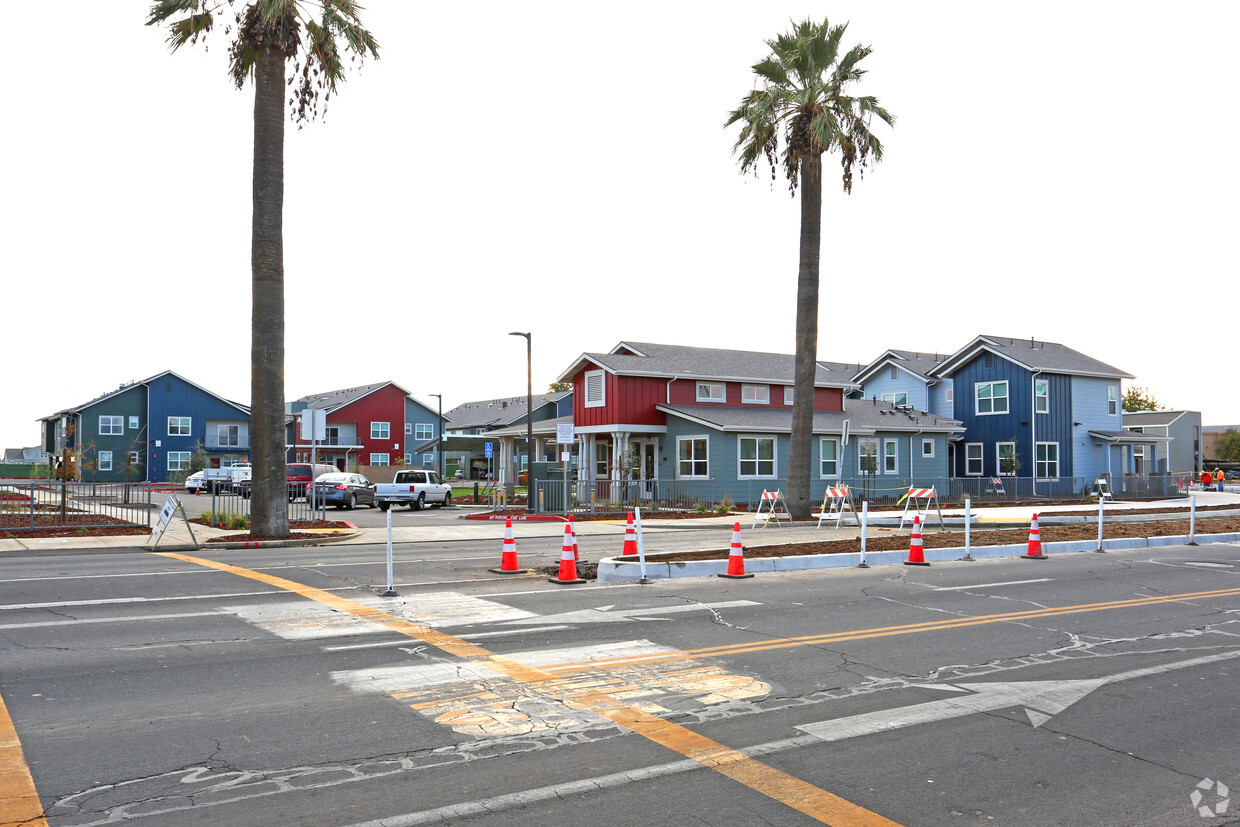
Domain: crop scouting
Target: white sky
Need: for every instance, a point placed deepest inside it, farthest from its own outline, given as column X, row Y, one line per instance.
column 1060, row 170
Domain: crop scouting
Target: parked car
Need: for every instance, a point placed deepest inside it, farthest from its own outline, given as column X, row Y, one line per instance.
column 414, row 489
column 343, row 490
column 298, row 475
column 195, row 482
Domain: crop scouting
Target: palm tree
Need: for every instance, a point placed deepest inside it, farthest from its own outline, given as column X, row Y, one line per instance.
column 267, row 34
column 800, row 101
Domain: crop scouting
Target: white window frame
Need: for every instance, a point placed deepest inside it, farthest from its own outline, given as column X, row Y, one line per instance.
column 891, row 451
column 1112, row 400
column 861, row 455
column 428, row 459
column 104, row 461
column 949, row 394
column 177, row 460
column 230, row 441
column 384, row 428
column 134, row 459
column 927, row 443
column 408, row 459
column 977, row 399
column 380, row 459
column 408, row 428
column 596, row 396
column 693, row 460
column 757, row 460
column 999, row 472
column 981, row 462
column 133, row 423
column 788, row 393
column 895, row 373
column 755, row 394
column 822, row 461
column 602, row 460
column 1037, row 463
column 424, row 430
column 894, row 398
column 710, row 387
column 1042, row 401
column 115, row 425
column 187, row 421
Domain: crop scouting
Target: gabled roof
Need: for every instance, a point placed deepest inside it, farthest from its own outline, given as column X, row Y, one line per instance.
column 334, row 400
column 916, row 362
column 497, row 412
column 1128, row 437
column 667, row 361
column 1049, row 357
column 863, row 418
column 140, row 382
column 1152, row 418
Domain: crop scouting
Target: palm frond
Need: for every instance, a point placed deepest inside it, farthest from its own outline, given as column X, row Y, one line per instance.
column 771, row 70
column 164, row 9
column 188, row 29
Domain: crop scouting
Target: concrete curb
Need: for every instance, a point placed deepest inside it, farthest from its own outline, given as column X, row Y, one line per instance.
column 326, row 538
column 610, row 570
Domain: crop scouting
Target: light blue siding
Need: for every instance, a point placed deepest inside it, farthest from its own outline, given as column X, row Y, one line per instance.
column 1089, row 409
column 940, row 405
column 881, row 383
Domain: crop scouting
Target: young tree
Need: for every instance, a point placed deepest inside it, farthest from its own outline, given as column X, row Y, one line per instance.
column 801, row 103
column 1141, row 399
column 1229, row 446
column 559, row 387
column 267, row 34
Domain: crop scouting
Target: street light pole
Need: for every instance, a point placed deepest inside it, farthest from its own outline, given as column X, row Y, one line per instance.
column 529, row 410
column 439, row 453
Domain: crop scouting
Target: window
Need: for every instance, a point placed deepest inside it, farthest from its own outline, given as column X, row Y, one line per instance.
column 867, row 456
column 989, row 360
column 951, row 393
column 757, row 456
column 133, row 459
column 380, row 430
column 991, row 398
column 428, row 459
column 424, row 431
column 380, row 459
column 105, row 461
column 408, row 427
column 973, row 459
column 1005, row 459
column 756, row 394
column 229, row 435
column 331, row 435
column 179, row 425
column 691, row 456
column 133, row 423
column 596, row 389
column 601, row 463
column 897, row 398
column 711, row 392
column 1112, row 399
column 1041, row 396
column 894, row 372
column 788, row 395
column 829, row 458
column 1047, row 462
column 408, row 459
column 111, row 425
column 178, row 460
column 927, row 449
column 891, row 461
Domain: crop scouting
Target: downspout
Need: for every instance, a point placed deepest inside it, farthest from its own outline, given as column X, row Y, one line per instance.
column 669, row 388
column 1033, row 429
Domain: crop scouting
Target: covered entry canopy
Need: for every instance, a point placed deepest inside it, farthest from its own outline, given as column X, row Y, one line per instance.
column 1129, row 438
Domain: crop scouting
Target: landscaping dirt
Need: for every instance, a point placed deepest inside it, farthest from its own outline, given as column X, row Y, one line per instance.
column 955, row 539
column 16, row 523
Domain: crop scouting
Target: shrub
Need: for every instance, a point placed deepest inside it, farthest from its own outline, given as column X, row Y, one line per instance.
column 701, row 508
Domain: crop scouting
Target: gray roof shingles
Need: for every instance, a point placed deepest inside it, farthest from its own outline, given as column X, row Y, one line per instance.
column 1051, row 357
column 864, row 417
column 715, row 363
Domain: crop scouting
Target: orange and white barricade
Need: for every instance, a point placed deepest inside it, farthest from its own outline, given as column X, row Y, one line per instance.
column 921, row 499
column 772, row 507
column 837, row 500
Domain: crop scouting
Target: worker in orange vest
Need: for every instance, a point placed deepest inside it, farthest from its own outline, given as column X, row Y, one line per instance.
column 1218, row 477
column 1205, row 479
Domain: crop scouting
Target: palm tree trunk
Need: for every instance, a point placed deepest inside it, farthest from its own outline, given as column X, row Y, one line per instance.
column 269, row 504
column 799, row 503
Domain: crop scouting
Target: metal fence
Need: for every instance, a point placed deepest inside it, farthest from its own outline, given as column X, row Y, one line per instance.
column 26, row 505
column 610, row 496
column 228, row 503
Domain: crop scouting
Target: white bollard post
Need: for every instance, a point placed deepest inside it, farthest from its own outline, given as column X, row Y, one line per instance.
column 865, row 521
column 1192, row 521
column 641, row 546
column 1102, row 501
column 968, row 531
column 391, row 588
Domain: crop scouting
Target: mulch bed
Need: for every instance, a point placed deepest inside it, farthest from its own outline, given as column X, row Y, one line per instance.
column 302, row 524
column 955, row 539
column 79, row 525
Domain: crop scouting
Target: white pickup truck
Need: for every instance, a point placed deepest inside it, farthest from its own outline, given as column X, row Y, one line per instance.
column 414, row 489
column 224, row 479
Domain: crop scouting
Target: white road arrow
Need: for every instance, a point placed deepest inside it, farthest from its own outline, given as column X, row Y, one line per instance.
column 605, row 614
column 1042, row 699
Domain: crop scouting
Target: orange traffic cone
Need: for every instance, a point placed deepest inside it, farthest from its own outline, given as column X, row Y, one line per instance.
column 1035, row 542
column 630, row 539
column 916, row 557
column 508, row 560
column 736, row 558
column 568, row 566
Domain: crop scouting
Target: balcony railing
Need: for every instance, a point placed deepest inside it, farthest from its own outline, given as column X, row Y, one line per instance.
column 224, row 442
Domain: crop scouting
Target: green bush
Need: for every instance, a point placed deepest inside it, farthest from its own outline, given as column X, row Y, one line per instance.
column 701, row 508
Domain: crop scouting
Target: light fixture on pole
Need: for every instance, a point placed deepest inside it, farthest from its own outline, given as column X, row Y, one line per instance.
column 439, row 453
column 529, row 407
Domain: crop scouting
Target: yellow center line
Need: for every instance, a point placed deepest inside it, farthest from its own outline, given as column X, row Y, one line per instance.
column 19, row 800
column 780, row 786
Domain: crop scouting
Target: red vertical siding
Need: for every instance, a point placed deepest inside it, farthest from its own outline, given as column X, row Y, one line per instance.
column 384, row 405
column 684, row 392
column 630, row 401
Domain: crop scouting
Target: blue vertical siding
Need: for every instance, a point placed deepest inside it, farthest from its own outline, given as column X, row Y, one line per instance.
column 169, row 395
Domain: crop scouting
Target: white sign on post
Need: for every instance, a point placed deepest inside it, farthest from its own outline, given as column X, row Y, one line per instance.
column 314, row 424
column 565, row 434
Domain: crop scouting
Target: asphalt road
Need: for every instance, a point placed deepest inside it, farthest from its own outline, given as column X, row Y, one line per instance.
column 1084, row 689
